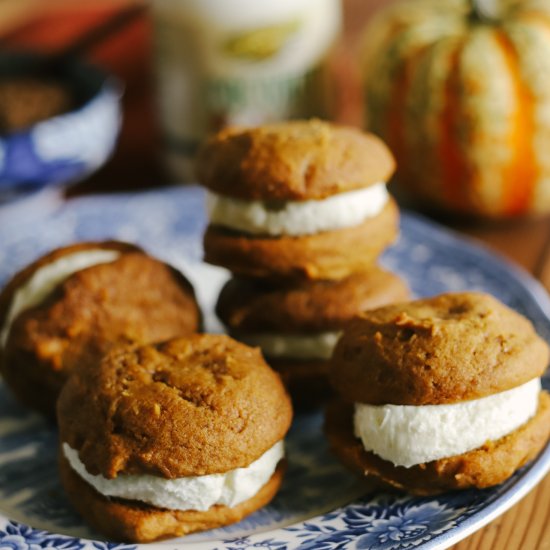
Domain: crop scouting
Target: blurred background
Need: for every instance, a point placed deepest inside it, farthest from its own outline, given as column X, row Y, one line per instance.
column 128, row 54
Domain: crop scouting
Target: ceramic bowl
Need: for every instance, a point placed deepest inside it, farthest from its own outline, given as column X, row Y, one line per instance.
column 66, row 147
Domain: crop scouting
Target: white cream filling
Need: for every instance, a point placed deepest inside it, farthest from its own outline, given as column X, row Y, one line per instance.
column 407, row 435
column 295, row 218
column 45, row 279
column 185, row 493
column 301, row 346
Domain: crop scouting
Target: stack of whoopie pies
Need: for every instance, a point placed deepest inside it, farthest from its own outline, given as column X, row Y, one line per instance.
column 299, row 213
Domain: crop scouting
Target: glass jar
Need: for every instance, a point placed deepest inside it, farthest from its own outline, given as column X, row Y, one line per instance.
column 243, row 62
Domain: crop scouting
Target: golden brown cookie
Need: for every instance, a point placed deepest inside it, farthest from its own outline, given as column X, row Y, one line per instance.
column 198, row 405
column 327, row 255
column 486, row 466
column 246, row 305
column 295, row 160
column 130, row 298
column 440, row 393
column 445, row 349
column 193, row 406
column 256, row 308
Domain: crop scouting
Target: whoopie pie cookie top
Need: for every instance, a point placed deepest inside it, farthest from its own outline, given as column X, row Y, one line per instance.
column 292, row 161
column 21, row 277
column 445, row 349
column 254, row 305
column 53, row 321
column 134, row 280
column 190, row 406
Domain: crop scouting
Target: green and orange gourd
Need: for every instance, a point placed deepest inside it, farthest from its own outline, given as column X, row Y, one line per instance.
column 463, row 99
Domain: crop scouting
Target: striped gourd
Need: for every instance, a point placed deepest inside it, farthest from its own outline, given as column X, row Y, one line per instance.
column 463, row 99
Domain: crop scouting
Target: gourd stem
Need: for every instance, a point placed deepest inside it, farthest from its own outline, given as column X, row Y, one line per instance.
column 480, row 13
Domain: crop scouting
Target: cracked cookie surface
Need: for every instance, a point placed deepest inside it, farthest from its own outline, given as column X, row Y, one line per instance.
column 256, row 305
column 133, row 298
column 294, row 160
column 192, row 406
column 445, row 349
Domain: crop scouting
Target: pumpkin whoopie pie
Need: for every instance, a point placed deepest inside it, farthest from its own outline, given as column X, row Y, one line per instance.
column 300, row 200
column 297, row 326
column 440, row 393
column 75, row 303
column 166, row 439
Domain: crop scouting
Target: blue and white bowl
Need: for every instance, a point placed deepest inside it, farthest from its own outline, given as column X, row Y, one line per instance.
column 66, row 147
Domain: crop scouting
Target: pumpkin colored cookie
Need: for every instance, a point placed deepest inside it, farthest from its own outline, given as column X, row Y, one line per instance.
column 297, row 326
column 75, row 303
column 301, row 200
column 293, row 161
column 440, row 393
column 329, row 255
column 167, row 439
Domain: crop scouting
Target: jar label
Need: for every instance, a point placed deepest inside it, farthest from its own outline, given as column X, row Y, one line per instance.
column 210, row 76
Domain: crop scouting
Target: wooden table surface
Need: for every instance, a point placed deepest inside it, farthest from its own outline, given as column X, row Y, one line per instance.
column 47, row 26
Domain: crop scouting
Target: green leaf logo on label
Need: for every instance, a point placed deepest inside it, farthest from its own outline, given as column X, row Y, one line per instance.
column 260, row 44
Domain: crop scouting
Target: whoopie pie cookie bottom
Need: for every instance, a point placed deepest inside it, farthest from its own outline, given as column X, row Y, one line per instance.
column 126, row 520
column 327, row 255
column 483, row 467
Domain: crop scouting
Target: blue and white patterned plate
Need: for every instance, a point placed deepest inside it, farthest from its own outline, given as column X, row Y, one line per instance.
column 320, row 505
